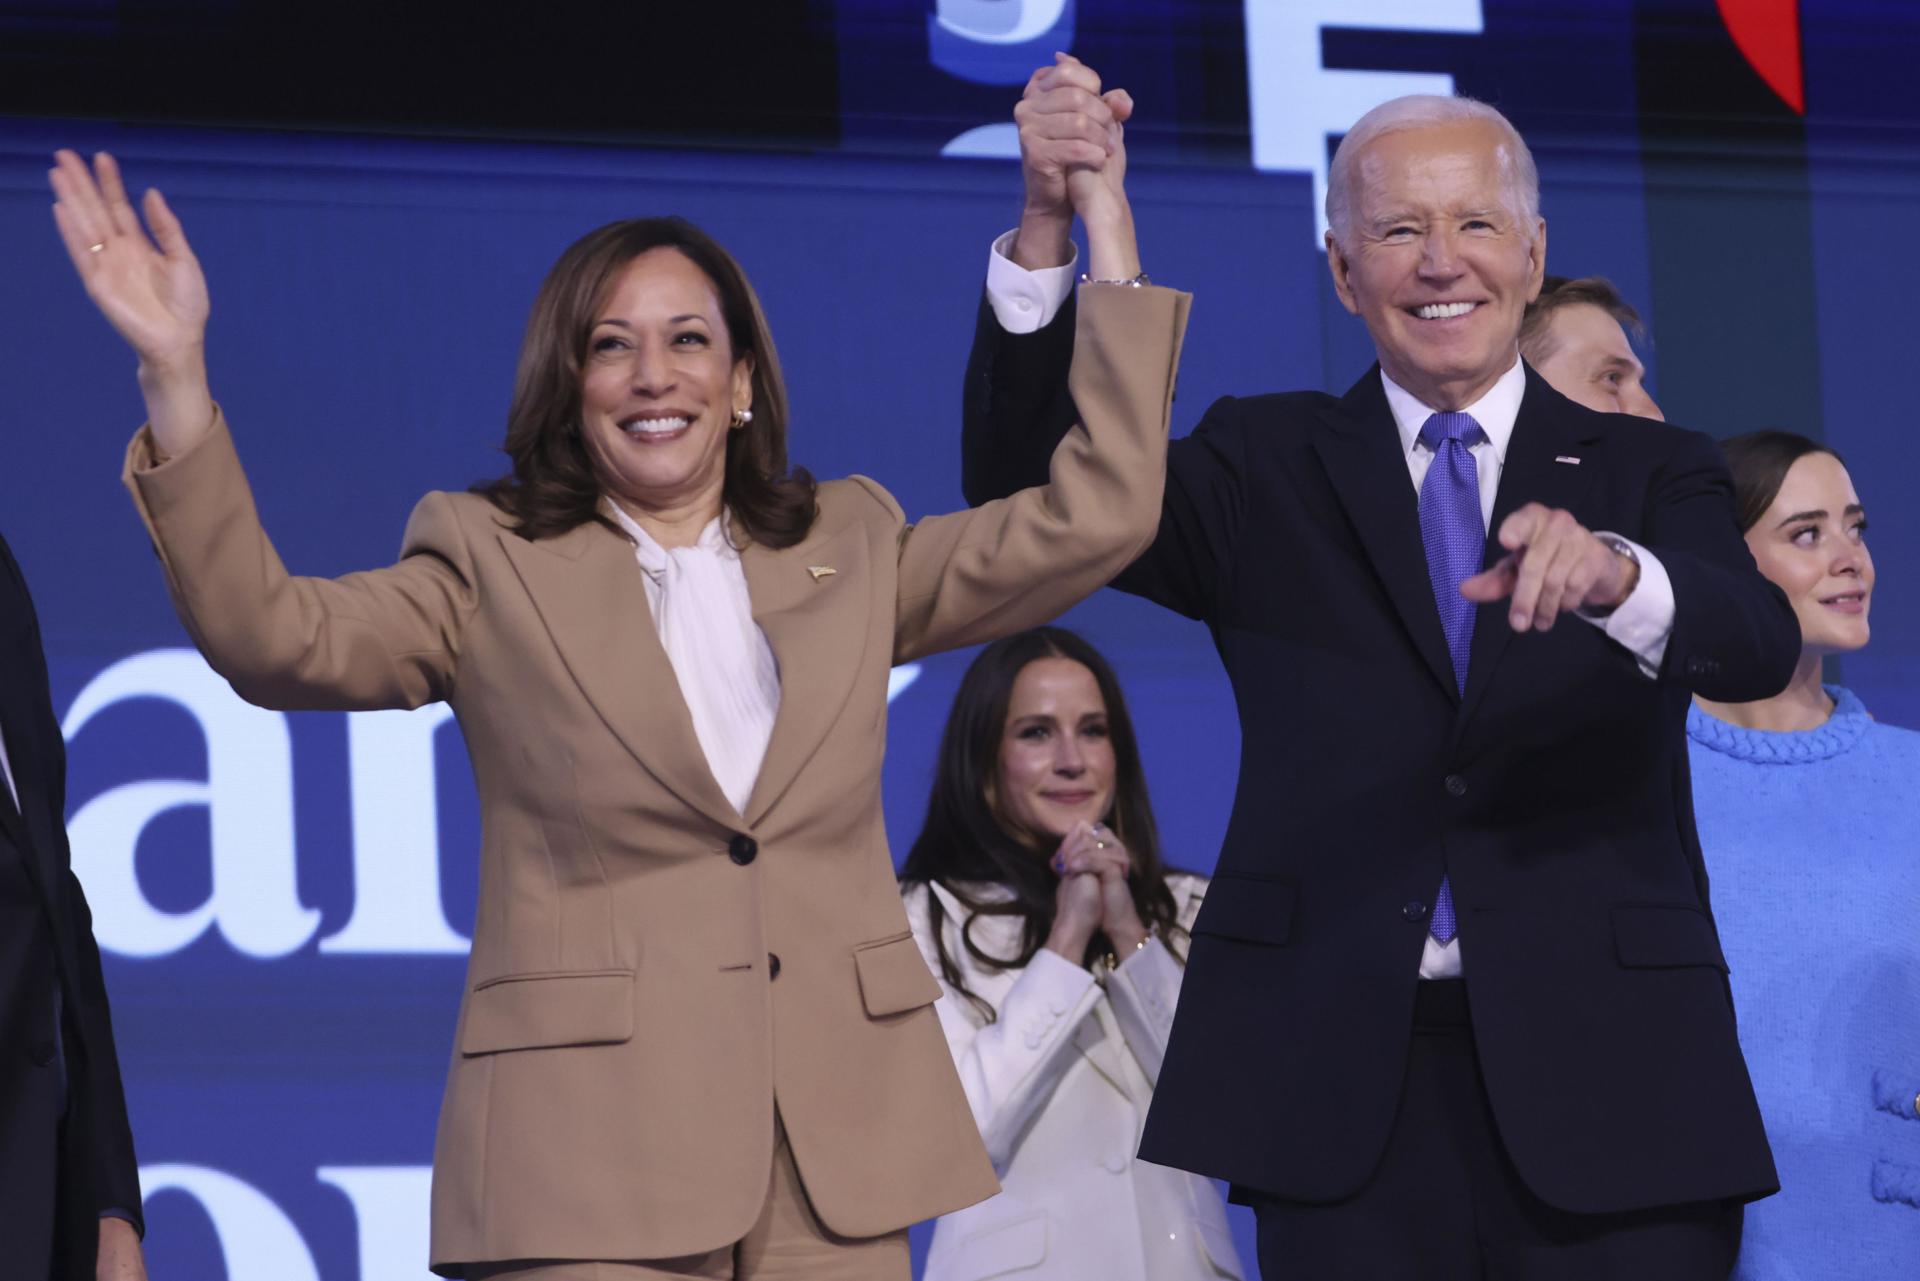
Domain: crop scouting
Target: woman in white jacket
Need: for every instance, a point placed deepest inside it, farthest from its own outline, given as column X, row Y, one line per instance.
column 1037, row 893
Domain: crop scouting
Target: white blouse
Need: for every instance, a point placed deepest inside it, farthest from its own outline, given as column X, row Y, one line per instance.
column 720, row 657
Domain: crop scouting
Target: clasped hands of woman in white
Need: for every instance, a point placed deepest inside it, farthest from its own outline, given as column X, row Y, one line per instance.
column 1092, row 897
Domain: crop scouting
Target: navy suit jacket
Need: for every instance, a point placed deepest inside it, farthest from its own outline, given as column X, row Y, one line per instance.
column 1552, row 793
column 64, row 1142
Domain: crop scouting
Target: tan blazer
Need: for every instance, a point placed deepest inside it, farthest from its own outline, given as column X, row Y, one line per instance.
column 624, row 1035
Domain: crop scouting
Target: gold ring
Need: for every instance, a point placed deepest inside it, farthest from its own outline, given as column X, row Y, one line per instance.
column 94, row 249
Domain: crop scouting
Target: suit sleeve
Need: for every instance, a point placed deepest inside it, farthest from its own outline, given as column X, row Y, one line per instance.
column 386, row 638
column 1016, row 407
column 1009, row 1066
column 1017, row 561
column 1735, row 638
column 98, row 1134
column 1145, row 989
column 114, row 1178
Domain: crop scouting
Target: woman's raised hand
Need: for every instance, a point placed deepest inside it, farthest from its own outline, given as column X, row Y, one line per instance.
column 150, row 289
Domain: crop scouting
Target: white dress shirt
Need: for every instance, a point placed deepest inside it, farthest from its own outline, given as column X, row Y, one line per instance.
column 1026, row 301
column 720, row 657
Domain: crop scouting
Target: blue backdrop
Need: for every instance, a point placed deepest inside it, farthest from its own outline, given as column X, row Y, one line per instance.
column 283, row 900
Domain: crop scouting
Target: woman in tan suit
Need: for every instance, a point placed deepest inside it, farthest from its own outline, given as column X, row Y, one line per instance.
column 697, row 1037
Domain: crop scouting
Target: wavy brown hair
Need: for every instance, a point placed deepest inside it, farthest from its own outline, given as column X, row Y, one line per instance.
column 553, row 486
column 965, row 844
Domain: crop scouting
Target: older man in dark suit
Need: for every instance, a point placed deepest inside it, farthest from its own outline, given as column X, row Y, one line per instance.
column 1456, row 1006
column 69, row 1189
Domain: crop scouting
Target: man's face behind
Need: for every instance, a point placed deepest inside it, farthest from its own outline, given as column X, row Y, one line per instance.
column 1438, row 262
column 1586, row 358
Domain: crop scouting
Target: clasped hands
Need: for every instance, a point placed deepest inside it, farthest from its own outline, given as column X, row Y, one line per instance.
column 1553, row 564
column 1073, row 158
column 1093, row 895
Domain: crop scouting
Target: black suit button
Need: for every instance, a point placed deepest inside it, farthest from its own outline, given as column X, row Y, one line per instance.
column 773, row 966
column 1413, row 910
column 43, row 1052
column 1456, row 786
column 743, row 849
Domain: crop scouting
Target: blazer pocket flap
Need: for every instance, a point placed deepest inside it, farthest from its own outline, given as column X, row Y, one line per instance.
column 535, row 1011
column 1247, row 908
column 894, row 976
column 1005, row 1247
column 1650, row 937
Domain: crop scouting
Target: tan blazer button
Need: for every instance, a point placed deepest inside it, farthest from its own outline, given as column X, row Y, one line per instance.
column 743, row 849
column 773, row 966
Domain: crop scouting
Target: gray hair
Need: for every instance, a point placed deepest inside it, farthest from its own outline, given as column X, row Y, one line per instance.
column 1421, row 111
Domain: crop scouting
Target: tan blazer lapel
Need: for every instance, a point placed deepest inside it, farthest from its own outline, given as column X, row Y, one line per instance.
column 586, row 586
column 811, row 601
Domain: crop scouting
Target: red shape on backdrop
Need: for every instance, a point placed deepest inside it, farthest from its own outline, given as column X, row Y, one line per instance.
column 1767, row 32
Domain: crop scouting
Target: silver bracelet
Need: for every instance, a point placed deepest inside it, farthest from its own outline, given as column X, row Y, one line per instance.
column 1133, row 282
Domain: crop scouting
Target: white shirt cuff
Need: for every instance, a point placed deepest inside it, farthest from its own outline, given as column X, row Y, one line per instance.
column 1643, row 622
column 1026, row 301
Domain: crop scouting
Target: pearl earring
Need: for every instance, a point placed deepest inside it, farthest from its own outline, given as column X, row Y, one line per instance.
column 741, row 417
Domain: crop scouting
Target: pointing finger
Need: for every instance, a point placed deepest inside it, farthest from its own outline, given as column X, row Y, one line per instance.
column 1494, row 582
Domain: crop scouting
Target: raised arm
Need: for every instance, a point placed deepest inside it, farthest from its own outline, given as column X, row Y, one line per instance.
column 382, row 639
column 150, row 289
column 1735, row 638
column 1073, row 155
column 986, row 572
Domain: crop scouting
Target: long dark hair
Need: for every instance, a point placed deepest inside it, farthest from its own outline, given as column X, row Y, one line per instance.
column 552, row 486
column 1760, row 461
column 964, row 844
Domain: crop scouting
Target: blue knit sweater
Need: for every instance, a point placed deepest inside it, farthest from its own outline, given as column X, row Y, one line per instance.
column 1812, row 841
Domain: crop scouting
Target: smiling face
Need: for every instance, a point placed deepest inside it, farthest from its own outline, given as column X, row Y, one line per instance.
column 1812, row 542
column 1437, row 260
column 1056, row 758
column 660, row 388
column 1586, row 358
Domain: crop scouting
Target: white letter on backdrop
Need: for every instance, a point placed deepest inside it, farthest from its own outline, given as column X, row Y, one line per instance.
column 248, row 793
column 396, row 836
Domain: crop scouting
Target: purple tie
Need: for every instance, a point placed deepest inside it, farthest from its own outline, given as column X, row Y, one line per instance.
column 1455, row 540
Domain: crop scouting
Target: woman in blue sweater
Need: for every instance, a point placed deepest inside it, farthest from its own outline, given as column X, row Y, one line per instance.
column 1811, row 832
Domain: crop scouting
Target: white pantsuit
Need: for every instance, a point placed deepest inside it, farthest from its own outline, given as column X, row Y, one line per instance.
column 1059, row 1082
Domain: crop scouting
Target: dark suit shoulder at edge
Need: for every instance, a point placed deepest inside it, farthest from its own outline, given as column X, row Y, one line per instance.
column 1267, row 412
